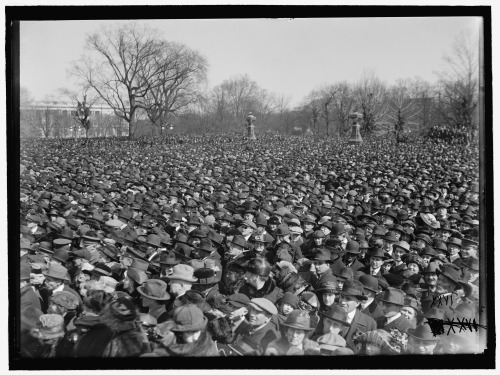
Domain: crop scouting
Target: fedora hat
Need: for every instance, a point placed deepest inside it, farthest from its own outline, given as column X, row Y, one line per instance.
column 298, row 319
column 471, row 263
column 369, row 282
column 322, row 255
column 336, row 313
column 140, row 264
column 139, row 276
column 154, row 289
column 454, row 275
column 182, row 272
column 376, row 251
column 153, row 240
column 205, row 245
column 206, row 276
column 353, row 288
column 344, row 273
column 168, row 257
column 424, row 333
column 390, row 237
column 240, row 241
column 188, row 318
column 394, row 296
column 56, row 271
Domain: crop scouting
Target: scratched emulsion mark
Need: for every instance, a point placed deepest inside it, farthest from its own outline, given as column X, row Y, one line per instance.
column 441, row 300
column 437, row 325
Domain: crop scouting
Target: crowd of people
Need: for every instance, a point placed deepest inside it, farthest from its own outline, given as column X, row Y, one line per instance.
column 220, row 246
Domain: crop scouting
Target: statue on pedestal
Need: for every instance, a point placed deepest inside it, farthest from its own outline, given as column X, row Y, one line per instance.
column 250, row 126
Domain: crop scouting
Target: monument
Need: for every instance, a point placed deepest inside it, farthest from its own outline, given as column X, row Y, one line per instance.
column 250, row 126
column 355, row 138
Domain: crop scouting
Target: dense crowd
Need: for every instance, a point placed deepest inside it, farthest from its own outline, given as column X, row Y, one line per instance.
column 212, row 245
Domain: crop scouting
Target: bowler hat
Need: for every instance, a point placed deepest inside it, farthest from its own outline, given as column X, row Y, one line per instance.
column 154, row 289
column 352, row 247
column 298, row 319
column 189, row 318
column 394, row 296
column 337, row 229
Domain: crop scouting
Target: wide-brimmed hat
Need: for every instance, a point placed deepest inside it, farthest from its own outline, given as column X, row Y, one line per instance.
column 298, row 319
column 430, row 220
column 337, row 313
column 154, row 289
column 394, row 296
column 188, row 318
column 182, row 272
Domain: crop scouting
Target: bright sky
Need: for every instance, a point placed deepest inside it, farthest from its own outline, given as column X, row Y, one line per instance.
column 284, row 56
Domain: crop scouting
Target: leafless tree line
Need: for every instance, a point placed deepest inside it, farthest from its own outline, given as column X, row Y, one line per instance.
column 147, row 79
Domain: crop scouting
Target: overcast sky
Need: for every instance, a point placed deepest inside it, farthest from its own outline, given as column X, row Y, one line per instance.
column 284, row 56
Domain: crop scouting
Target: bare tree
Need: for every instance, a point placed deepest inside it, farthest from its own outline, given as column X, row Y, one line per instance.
column 182, row 72
column 83, row 99
column 404, row 105
column 342, row 106
column 458, row 85
column 371, row 97
column 121, row 65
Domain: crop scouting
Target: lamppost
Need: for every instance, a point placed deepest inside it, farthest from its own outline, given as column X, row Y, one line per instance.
column 355, row 138
column 250, row 126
